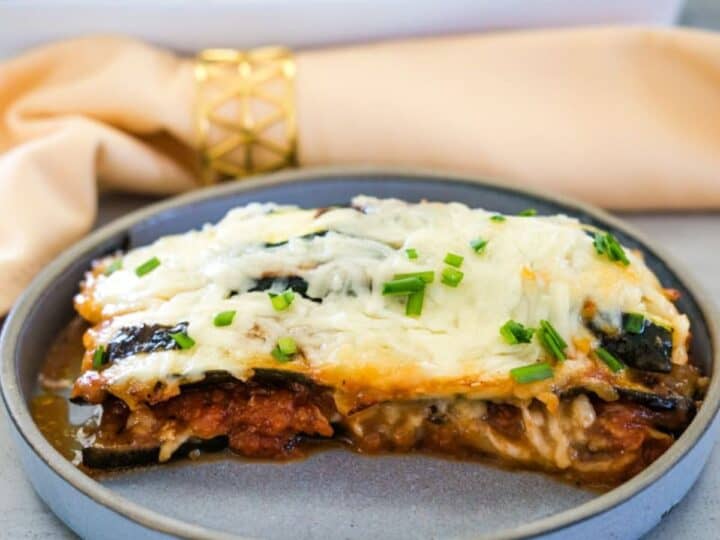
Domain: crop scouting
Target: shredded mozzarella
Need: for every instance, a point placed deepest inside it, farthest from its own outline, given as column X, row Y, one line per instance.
column 532, row 268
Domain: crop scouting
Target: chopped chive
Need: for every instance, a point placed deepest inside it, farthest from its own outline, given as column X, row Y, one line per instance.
column 452, row 276
column 414, row 305
column 147, row 267
column 528, row 212
column 285, row 349
column 411, row 253
column 550, row 346
column 635, row 323
column 453, row 259
column 551, row 340
column 98, row 357
column 550, row 329
column 224, row 318
column 405, row 285
column 613, row 363
column 280, row 356
column 498, row 218
column 278, row 301
column 114, row 267
column 282, row 300
column 606, row 244
column 287, row 345
column 600, row 243
column 515, row 332
column 531, row 373
column 507, row 334
column 618, row 253
column 183, row 340
column 478, row 245
column 428, row 276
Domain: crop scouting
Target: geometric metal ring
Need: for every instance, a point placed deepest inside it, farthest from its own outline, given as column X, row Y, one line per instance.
column 245, row 119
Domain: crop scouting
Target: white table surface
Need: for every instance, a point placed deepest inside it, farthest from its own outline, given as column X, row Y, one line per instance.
column 693, row 238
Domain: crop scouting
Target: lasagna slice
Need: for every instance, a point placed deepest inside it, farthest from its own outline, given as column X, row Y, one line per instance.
column 388, row 327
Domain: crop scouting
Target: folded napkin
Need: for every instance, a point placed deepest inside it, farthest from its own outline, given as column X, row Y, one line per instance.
column 621, row 117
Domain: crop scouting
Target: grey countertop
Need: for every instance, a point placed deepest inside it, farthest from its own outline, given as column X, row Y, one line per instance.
column 693, row 238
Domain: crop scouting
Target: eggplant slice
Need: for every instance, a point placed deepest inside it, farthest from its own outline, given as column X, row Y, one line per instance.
column 100, row 456
column 649, row 349
column 144, row 338
column 295, row 283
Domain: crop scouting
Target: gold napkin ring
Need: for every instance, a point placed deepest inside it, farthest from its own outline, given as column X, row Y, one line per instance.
column 245, row 117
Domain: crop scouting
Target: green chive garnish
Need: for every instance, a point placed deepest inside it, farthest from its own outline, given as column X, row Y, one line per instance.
column 287, row 345
column 528, row 212
column 114, row 267
column 427, row 276
column 147, row 267
column 478, row 245
column 531, row 373
column 635, row 323
column 280, row 357
column 285, row 349
column 414, row 305
column 98, row 357
column 606, row 244
column 497, row 218
column 453, row 259
column 515, row 332
column 411, row 253
column 405, row 285
column 599, row 243
column 452, row 276
column 183, row 340
column 278, row 301
column 224, row 318
column 551, row 340
column 283, row 300
column 613, row 363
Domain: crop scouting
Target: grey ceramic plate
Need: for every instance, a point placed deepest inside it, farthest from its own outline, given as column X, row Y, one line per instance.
column 335, row 494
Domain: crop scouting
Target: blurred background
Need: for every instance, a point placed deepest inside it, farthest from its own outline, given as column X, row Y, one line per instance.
column 191, row 25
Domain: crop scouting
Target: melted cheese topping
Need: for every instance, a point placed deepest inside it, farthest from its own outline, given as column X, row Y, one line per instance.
column 357, row 340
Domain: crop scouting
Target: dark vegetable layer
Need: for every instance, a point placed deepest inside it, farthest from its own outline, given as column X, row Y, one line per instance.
column 295, row 283
column 649, row 348
column 308, row 236
column 144, row 338
column 117, row 456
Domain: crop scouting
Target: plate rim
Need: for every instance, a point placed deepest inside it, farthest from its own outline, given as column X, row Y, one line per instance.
column 21, row 419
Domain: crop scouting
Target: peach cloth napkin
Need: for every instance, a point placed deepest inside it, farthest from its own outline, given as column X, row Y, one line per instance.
column 621, row 117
